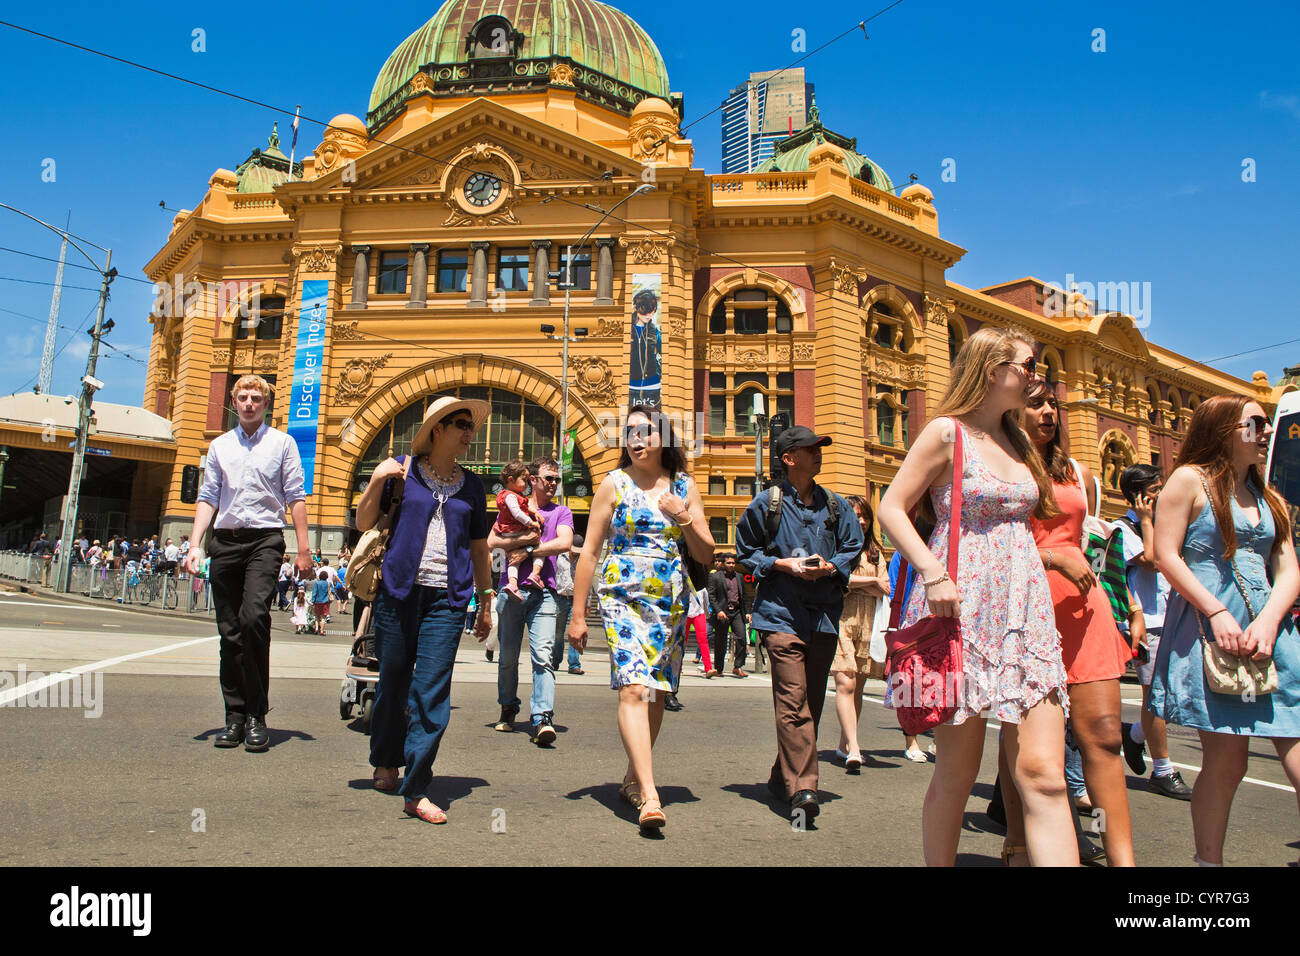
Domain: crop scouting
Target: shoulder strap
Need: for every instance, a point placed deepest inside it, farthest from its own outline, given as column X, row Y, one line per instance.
column 954, row 534
column 1078, row 476
column 772, row 521
column 832, row 511
column 399, row 488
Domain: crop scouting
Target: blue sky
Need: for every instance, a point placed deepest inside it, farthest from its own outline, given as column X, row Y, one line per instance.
column 1115, row 166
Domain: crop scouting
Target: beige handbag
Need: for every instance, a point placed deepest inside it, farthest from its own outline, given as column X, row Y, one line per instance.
column 368, row 556
column 1227, row 673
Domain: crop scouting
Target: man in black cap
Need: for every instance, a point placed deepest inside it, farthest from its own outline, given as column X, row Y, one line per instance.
column 801, row 542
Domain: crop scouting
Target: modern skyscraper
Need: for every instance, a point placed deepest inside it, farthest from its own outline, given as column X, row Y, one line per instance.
column 766, row 108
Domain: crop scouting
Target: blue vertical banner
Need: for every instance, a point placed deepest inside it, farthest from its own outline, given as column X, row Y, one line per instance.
column 308, row 364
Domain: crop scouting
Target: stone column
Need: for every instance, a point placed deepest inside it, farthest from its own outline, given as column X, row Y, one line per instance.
column 541, row 272
column 360, row 278
column 478, row 274
column 604, row 272
column 419, row 276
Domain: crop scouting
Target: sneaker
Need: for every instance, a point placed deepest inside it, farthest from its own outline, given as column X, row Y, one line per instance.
column 1133, row 750
column 506, row 722
column 488, row 655
column 576, row 670
column 543, row 732
column 1171, row 785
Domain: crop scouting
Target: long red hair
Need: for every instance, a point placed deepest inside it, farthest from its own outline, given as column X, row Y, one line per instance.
column 1208, row 446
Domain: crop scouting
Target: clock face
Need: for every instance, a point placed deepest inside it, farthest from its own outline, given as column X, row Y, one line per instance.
column 482, row 189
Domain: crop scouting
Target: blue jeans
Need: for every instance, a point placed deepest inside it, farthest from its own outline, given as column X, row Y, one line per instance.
column 537, row 612
column 563, row 608
column 1073, row 767
column 416, row 642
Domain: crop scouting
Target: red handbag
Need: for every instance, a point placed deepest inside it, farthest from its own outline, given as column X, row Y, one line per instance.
column 924, row 662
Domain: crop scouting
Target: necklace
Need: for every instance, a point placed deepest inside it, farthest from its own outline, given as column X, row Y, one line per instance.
column 443, row 488
column 642, row 350
column 433, row 472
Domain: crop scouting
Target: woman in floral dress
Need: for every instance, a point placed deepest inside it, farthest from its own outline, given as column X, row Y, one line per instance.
column 647, row 508
column 1011, row 652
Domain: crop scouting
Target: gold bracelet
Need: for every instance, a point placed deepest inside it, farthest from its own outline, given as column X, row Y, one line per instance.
column 1049, row 561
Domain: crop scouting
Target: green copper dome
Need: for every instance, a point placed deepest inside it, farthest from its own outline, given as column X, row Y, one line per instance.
column 528, row 32
column 792, row 154
column 266, row 168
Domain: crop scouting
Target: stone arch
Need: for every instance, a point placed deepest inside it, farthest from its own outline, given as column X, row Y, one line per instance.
column 472, row 369
column 1110, row 443
column 890, row 295
column 753, row 278
column 1120, row 330
column 1051, row 360
column 239, row 303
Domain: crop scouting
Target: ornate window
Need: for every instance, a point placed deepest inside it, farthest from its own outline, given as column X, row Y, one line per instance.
column 493, row 36
column 1153, row 395
column 720, row 528
column 891, row 416
column 737, row 390
column 581, row 270
column 265, row 318
column 751, row 311
column 517, row 428
column 392, row 273
column 453, row 270
column 1115, row 458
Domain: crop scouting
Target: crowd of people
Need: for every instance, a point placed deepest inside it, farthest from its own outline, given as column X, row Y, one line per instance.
column 1054, row 603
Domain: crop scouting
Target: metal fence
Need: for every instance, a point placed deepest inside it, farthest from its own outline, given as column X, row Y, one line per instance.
column 182, row 593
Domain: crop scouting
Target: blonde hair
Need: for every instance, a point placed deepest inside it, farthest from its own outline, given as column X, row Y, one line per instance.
column 969, row 386
column 253, row 382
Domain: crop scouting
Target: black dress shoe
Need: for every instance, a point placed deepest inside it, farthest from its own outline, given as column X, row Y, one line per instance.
column 1133, row 750
column 672, row 703
column 256, row 739
column 1171, row 785
column 232, row 736
column 805, row 800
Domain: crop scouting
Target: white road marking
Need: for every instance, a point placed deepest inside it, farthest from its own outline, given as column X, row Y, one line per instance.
column 50, row 680
column 70, row 607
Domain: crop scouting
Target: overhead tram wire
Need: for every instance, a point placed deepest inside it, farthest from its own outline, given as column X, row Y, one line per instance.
column 81, row 288
column 860, row 25
column 77, row 331
column 72, row 265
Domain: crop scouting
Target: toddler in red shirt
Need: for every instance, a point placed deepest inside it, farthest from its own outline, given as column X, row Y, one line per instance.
column 515, row 518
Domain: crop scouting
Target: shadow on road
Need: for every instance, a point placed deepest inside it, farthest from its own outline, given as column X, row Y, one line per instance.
column 871, row 763
column 276, row 736
column 606, row 794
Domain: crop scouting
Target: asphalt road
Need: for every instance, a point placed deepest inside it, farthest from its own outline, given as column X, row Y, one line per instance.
column 142, row 784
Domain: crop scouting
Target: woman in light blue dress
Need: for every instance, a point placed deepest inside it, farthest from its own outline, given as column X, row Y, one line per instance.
column 1221, row 534
column 649, row 509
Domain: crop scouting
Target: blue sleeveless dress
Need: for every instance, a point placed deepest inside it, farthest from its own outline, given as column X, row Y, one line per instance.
column 1178, row 691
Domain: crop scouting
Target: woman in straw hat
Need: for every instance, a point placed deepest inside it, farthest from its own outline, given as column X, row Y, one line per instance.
column 436, row 559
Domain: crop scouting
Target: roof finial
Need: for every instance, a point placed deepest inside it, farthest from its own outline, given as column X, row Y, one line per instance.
column 274, row 141
column 814, row 114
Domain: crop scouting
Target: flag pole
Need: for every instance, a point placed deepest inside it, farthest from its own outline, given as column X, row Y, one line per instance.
column 294, row 145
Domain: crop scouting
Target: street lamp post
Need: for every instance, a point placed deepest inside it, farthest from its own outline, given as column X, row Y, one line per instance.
column 89, row 384
column 760, row 424
column 568, row 288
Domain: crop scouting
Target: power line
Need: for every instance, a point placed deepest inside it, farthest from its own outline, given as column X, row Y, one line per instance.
column 81, row 328
column 74, row 265
column 1223, row 358
column 860, row 25
column 83, row 288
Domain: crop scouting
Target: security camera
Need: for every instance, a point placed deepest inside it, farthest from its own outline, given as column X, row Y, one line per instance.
column 92, row 382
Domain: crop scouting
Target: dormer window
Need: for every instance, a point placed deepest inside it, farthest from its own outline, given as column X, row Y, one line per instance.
column 886, row 326
column 493, row 37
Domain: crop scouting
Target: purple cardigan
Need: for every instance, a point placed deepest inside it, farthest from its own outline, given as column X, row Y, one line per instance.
column 465, row 518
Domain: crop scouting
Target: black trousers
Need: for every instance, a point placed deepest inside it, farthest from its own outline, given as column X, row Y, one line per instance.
column 244, row 570
column 733, row 627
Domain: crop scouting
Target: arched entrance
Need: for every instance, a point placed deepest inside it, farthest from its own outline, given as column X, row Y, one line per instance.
column 517, row 428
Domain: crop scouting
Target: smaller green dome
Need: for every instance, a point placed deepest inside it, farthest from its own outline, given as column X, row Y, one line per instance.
column 792, row 154
column 266, row 168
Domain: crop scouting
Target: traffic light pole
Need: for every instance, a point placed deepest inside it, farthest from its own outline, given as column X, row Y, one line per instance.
column 64, row 579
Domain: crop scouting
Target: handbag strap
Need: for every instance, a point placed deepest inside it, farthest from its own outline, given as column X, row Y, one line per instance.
column 1232, row 562
column 954, row 533
column 399, row 487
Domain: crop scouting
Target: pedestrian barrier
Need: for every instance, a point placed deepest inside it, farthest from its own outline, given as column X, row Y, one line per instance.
column 181, row 593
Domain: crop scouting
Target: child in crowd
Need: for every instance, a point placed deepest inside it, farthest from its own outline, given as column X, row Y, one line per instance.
column 299, row 619
column 320, row 599
column 514, row 519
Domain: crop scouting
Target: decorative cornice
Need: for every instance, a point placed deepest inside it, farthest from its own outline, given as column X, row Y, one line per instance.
column 645, row 250
column 316, row 258
column 594, row 380
column 356, row 378
column 348, row 332
column 846, row 279
column 608, row 329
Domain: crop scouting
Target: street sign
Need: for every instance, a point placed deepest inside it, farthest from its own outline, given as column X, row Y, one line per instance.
column 98, row 451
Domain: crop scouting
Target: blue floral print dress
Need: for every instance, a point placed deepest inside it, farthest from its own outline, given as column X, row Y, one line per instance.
column 642, row 590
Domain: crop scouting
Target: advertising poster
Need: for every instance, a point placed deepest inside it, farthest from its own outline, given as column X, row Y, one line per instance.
column 644, row 366
column 308, row 357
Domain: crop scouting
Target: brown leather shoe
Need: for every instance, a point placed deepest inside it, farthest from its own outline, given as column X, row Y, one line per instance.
column 739, row 672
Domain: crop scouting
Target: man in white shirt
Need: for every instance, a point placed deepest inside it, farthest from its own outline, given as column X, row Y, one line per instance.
column 171, row 554
column 253, row 477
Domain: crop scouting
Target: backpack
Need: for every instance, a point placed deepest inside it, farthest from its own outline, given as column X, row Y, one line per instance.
column 773, row 520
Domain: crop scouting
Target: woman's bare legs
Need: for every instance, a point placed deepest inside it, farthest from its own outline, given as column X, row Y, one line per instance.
column 640, row 716
column 956, row 767
column 845, row 685
column 1095, row 719
column 1036, row 758
column 1223, row 764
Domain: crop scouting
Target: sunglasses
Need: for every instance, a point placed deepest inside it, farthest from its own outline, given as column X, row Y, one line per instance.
column 1255, row 423
column 464, row 424
column 1028, row 366
column 639, row 431
column 549, row 479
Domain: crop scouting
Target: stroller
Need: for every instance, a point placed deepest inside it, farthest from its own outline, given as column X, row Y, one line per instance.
column 360, row 675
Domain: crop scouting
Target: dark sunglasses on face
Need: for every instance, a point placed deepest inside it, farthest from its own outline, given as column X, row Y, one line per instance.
column 639, row 431
column 1028, row 366
column 464, row 424
column 1255, row 423
column 549, row 479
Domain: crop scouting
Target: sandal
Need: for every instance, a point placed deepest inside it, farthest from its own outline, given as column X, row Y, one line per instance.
column 1009, row 850
column 385, row 779
column 631, row 792
column 412, row 808
column 652, row 814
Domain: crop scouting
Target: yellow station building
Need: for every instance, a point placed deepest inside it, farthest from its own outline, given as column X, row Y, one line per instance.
column 497, row 134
